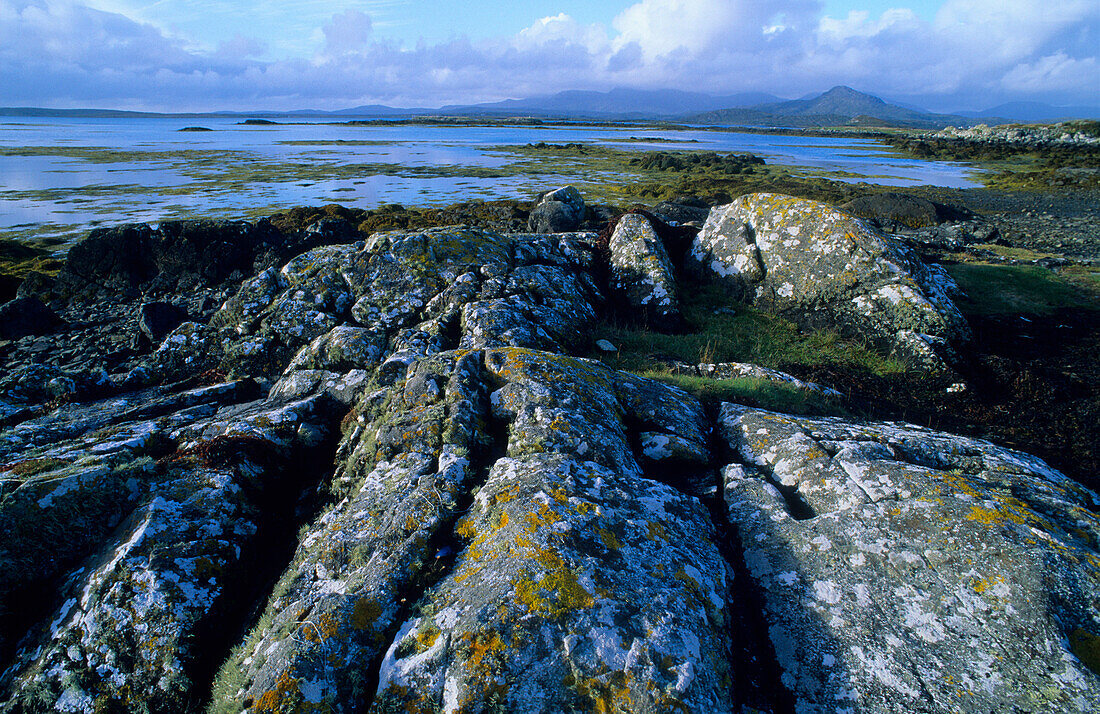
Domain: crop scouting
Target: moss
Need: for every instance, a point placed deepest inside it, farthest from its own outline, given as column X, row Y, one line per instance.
column 31, row 467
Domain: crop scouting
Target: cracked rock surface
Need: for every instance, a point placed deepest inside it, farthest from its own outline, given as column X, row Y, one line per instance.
column 374, row 475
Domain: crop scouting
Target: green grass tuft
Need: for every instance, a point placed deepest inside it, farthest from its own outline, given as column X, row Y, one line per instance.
column 1021, row 289
column 753, row 392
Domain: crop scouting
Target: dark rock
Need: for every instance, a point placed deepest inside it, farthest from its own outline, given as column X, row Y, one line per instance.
column 160, row 318
column 108, row 260
column 26, row 316
column 681, row 213
column 35, row 284
column 557, row 211
column 901, row 210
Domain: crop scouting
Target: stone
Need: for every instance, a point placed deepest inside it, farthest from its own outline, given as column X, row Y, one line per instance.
column 378, row 478
column 26, row 316
column 895, row 210
column 824, row 268
column 904, row 569
column 557, row 211
column 160, row 318
column 642, row 276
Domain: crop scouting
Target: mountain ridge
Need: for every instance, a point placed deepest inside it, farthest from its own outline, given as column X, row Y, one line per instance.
column 841, row 105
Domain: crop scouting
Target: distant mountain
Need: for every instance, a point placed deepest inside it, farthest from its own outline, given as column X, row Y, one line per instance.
column 617, row 103
column 1034, row 111
column 844, row 102
column 838, row 106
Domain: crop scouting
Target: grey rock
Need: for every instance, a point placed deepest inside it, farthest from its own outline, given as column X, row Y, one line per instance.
column 909, row 570
column 822, row 267
column 557, row 211
column 642, row 276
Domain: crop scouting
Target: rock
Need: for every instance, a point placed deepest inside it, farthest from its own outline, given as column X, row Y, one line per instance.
column 160, row 318
column 606, row 346
column 114, row 260
column 26, row 316
column 682, row 213
column 896, row 211
column 822, row 267
column 557, row 211
column 904, row 569
column 376, row 479
column 642, row 276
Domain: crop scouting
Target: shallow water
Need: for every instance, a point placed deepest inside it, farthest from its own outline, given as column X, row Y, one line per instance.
column 239, row 171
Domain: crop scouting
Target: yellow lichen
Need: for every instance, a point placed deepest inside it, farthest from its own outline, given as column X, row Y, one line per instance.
column 556, row 592
column 609, row 539
column 426, row 637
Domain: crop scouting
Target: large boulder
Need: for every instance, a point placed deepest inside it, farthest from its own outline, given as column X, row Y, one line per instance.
column 642, row 276
column 908, row 570
column 26, row 316
column 825, row 268
column 557, row 211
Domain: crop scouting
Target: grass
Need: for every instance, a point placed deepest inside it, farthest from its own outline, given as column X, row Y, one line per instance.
column 713, row 334
column 719, row 329
column 1024, row 289
column 754, row 393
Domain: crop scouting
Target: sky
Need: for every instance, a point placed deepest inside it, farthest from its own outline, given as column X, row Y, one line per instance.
column 209, row 55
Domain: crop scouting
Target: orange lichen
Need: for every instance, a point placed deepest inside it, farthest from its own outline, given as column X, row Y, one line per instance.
column 286, row 696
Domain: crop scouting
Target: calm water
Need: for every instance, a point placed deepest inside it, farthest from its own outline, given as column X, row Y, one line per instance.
column 74, row 181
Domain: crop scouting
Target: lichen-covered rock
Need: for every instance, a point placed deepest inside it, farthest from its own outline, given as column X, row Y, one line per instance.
column 642, row 276
column 557, row 211
column 405, row 473
column 132, row 624
column 908, row 570
column 467, row 518
column 824, row 267
column 581, row 588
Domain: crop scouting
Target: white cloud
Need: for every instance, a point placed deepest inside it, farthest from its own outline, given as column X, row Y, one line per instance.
column 349, row 31
column 1057, row 72
column 64, row 53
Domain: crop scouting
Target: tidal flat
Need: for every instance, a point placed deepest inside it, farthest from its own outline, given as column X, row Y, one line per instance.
column 65, row 176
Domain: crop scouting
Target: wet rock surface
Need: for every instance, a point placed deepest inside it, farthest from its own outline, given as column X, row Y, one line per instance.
column 374, row 474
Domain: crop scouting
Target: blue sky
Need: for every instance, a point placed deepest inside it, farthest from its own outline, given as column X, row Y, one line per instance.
column 249, row 54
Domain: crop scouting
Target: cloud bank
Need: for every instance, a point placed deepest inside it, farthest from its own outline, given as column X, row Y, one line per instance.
column 971, row 54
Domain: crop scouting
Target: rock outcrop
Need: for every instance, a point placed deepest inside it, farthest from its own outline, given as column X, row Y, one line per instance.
column 376, row 475
column 824, row 267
